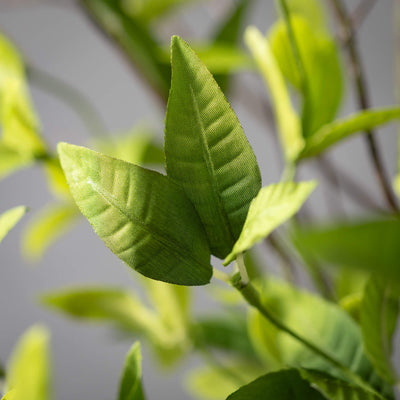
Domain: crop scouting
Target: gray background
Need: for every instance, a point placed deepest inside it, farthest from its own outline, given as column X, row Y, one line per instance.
column 87, row 360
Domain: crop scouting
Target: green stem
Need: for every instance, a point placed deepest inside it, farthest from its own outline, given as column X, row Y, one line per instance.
column 71, row 96
column 252, row 296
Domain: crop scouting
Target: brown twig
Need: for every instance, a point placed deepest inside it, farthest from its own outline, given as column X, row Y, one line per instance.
column 360, row 13
column 348, row 38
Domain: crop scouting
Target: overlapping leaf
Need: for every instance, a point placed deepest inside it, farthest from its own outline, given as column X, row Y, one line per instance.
column 282, row 385
column 9, row 219
column 288, row 121
column 273, row 205
column 141, row 215
column 131, row 385
column 206, row 150
column 379, row 313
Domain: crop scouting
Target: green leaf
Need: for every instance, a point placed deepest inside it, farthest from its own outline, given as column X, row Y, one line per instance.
column 56, row 178
column 273, row 205
column 141, row 215
column 131, row 385
column 323, row 323
column 11, row 160
column 10, row 218
column 47, row 226
column 217, row 381
column 335, row 389
column 320, row 60
column 134, row 38
column 103, row 304
column 20, row 127
column 289, row 125
column 28, row 372
column 376, row 248
column 282, row 385
column 206, row 150
column 379, row 313
column 338, row 130
column 137, row 147
column 11, row 395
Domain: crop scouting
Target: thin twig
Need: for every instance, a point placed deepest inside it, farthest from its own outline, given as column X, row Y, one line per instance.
column 348, row 37
column 361, row 12
column 71, row 96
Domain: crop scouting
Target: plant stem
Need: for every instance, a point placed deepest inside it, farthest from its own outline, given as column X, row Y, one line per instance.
column 244, row 277
column 252, row 296
column 71, row 96
column 348, row 36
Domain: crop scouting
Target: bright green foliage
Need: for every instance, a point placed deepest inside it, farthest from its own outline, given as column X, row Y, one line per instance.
column 379, row 313
column 28, row 372
column 47, row 226
column 131, row 385
column 335, row 389
column 289, row 125
column 20, row 142
column 9, row 219
column 321, row 322
column 282, row 385
column 273, row 205
column 376, row 248
column 135, row 39
column 56, row 179
column 156, row 232
column 217, row 382
column 323, row 87
column 340, row 129
column 206, row 150
column 10, row 396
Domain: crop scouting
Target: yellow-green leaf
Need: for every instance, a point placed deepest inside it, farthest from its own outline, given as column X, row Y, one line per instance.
column 9, row 219
column 273, row 205
column 206, row 150
column 288, row 121
column 141, row 215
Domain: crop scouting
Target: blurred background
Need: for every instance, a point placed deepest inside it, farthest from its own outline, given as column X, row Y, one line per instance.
column 56, row 37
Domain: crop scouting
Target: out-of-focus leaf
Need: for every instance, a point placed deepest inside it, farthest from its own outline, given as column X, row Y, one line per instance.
column 10, row 396
column 229, row 32
column 370, row 246
column 137, row 147
column 28, row 372
column 224, row 332
column 215, row 383
column 335, row 389
column 340, row 129
column 147, row 10
column 56, row 178
column 206, row 150
column 273, row 205
column 10, row 218
column 312, row 11
column 131, row 384
column 46, row 227
column 288, row 121
column 352, row 305
column 379, row 313
column 320, row 59
column 282, row 385
column 323, row 323
column 134, row 38
column 141, row 215
column 115, row 306
column 11, row 160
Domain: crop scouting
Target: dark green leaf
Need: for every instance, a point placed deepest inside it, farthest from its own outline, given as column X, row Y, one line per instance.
column 372, row 246
column 379, row 313
column 206, row 150
column 10, row 218
column 335, row 389
column 338, row 130
column 131, row 385
column 141, row 215
column 282, row 385
column 289, row 125
column 134, row 38
column 274, row 205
